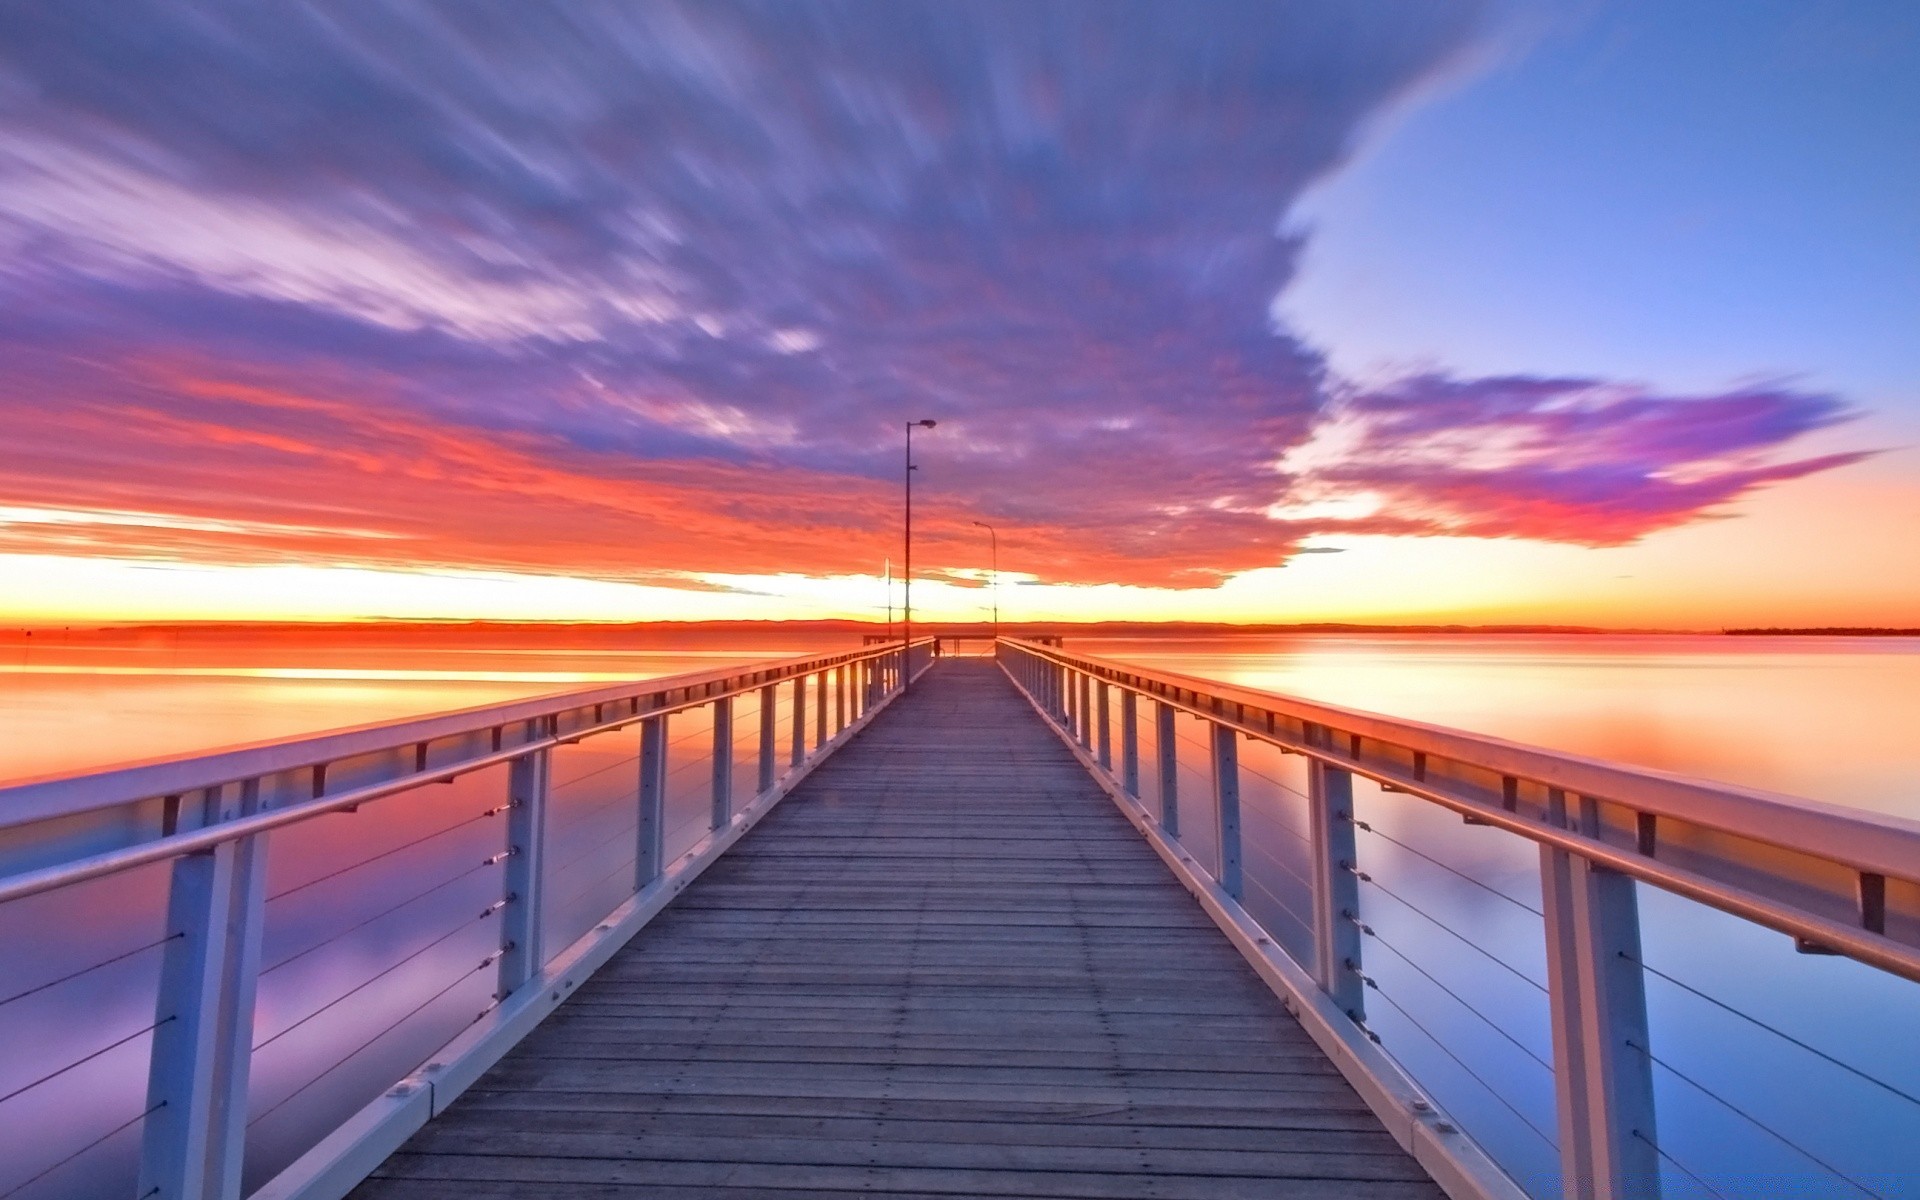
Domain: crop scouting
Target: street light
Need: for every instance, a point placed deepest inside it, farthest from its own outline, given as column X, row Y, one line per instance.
column 994, row 586
column 906, row 585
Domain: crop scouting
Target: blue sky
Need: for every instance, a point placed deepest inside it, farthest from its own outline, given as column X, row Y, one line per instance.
column 1685, row 192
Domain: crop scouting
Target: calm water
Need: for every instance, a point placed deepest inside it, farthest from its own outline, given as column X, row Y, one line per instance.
column 1457, row 955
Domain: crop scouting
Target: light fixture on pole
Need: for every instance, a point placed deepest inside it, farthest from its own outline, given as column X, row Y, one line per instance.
column 993, row 586
column 906, row 573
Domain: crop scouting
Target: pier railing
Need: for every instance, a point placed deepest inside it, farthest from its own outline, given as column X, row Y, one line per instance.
column 258, row 971
column 1543, row 972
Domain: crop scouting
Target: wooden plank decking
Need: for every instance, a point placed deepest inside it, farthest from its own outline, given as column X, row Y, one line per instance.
column 945, row 966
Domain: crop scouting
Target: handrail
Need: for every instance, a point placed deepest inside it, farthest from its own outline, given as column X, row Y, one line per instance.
column 1867, row 840
column 30, row 883
column 1413, row 757
column 1838, row 881
column 209, row 817
column 66, row 794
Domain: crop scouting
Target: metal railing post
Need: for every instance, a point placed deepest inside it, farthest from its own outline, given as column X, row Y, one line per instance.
column 1130, row 742
column 840, row 697
column 202, row 1047
column 798, row 751
column 651, row 848
column 769, row 733
column 871, row 668
column 1226, row 805
column 1084, row 705
column 1603, row 1072
column 1167, row 750
column 528, row 780
column 722, row 762
column 1336, row 888
column 820, row 707
column 1103, row 718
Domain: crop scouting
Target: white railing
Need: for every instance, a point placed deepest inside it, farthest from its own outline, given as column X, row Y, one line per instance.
column 1486, row 984
column 259, row 971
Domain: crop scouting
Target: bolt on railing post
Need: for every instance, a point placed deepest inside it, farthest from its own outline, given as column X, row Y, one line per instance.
column 1336, row 888
column 1130, row 743
column 1167, row 751
column 1226, row 805
column 1103, row 724
column 1603, row 1072
column 722, row 762
column 797, row 752
column 528, row 781
column 769, row 733
column 202, row 1047
column 651, row 846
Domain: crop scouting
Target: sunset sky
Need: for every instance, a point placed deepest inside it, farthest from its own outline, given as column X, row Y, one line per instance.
column 1405, row 310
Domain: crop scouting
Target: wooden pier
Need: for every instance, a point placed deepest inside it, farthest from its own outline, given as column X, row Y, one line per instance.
column 945, row 966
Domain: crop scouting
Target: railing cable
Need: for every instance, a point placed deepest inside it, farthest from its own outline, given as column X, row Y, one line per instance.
column 1849, row 1068
column 108, row 1136
column 85, row 1059
column 1683, row 1168
column 1359, row 824
column 1489, row 955
column 388, row 853
column 105, row 962
column 350, row 1055
column 1458, row 998
column 368, row 982
column 1756, row 1122
column 482, row 865
column 1542, row 1134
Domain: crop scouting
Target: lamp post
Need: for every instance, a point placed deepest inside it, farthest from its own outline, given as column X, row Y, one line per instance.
column 906, row 574
column 994, row 585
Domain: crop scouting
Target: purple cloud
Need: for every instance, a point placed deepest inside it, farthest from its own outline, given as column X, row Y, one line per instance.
column 1569, row 460
column 729, row 242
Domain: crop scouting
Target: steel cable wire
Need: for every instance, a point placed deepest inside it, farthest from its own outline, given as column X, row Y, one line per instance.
column 1277, row 861
column 1359, row 824
column 364, row 984
column 1680, row 1166
column 411, row 1013
column 1284, row 907
column 482, row 865
column 597, row 846
column 556, row 788
column 85, row 1059
column 1461, row 1000
column 1756, row 1122
column 389, row 853
column 71, row 975
column 626, row 864
column 1779, row 1033
column 109, row 1135
column 1450, row 932
column 1542, row 1134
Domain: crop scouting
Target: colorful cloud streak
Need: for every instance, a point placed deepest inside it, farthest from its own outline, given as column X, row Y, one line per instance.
column 644, row 292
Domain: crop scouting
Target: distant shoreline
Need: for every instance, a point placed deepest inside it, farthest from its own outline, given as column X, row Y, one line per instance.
column 1824, row 631
column 406, row 631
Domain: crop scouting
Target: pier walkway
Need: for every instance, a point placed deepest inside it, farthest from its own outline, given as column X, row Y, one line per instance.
column 946, row 965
